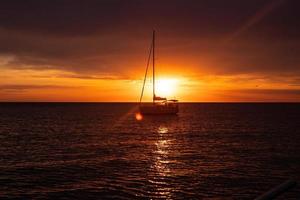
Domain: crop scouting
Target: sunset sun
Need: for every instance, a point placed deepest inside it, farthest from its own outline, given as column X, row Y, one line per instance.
column 167, row 87
column 143, row 99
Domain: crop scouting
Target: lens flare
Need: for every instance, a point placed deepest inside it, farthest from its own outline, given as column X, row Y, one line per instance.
column 138, row 116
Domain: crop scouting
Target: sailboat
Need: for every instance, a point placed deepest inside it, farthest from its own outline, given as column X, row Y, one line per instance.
column 159, row 105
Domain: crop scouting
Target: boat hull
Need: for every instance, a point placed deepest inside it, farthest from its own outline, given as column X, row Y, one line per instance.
column 158, row 110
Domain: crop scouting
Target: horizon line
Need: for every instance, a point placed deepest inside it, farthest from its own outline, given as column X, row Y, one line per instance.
column 133, row 102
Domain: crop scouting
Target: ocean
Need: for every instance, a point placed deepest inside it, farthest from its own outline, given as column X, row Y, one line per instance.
column 101, row 151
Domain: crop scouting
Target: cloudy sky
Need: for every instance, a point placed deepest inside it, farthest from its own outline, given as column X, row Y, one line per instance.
column 71, row 50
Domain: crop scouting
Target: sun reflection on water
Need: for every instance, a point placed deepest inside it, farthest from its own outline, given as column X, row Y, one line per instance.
column 162, row 129
column 161, row 161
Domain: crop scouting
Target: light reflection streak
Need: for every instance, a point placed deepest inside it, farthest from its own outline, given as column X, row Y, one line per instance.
column 161, row 162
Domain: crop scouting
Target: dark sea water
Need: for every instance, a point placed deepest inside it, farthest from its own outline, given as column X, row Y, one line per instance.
column 100, row 151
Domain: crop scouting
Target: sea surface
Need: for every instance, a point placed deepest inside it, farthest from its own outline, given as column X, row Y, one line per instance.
column 100, row 151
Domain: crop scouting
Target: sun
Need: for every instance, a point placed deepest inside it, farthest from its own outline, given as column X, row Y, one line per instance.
column 166, row 87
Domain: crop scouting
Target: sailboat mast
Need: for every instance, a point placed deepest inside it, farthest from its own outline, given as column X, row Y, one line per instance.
column 153, row 62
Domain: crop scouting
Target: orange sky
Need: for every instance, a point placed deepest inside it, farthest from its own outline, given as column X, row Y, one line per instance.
column 211, row 51
column 53, row 85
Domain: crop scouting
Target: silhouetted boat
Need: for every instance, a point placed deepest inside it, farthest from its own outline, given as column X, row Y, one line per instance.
column 159, row 105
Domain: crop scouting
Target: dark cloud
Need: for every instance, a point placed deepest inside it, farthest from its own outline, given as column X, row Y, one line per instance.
column 257, row 95
column 272, row 91
column 111, row 36
column 90, row 77
column 76, row 17
column 84, row 54
column 20, row 88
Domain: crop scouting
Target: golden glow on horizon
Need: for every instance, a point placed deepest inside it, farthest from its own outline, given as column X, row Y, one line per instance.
column 55, row 85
